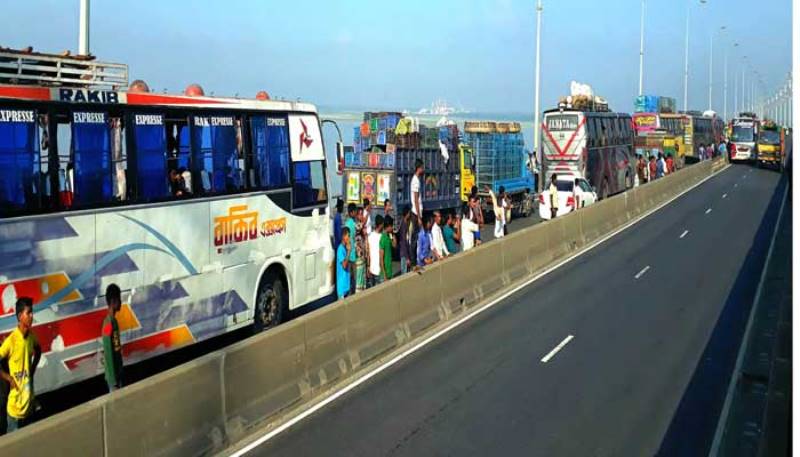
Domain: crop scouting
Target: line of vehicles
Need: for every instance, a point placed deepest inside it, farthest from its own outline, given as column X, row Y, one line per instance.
column 212, row 214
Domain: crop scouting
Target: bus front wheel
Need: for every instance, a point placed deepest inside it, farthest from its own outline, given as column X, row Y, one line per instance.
column 270, row 303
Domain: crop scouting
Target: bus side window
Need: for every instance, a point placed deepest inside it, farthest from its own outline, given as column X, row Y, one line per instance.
column 214, row 154
column 269, row 160
column 19, row 161
column 150, row 152
column 91, row 152
column 590, row 133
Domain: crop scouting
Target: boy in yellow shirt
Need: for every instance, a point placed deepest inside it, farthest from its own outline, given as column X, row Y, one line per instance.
column 21, row 350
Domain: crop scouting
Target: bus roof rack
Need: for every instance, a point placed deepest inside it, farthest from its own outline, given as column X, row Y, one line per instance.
column 60, row 70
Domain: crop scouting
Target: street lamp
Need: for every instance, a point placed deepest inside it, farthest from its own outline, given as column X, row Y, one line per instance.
column 641, row 54
column 536, row 146
column 686, row 62
column 711, row 68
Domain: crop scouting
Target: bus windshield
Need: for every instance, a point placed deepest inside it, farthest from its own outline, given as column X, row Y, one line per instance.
column 742, row 134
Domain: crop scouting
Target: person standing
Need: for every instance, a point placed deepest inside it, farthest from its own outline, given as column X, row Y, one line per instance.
column 451, row 233
column 702, row 152
column 424, row 255
column 361, row 252
column 343, row 265
column 499, row 211
column 438, row 248
column 416, row 203
column 350, row 224
column 112, row 343
column 387, row 209
column 367, row 216
column 641, row 166
column 661, row 166
column 375, row 258
column 468, row 229
column 670, row 164
column 404, row 233
column 337, row 223
column 553, row 196
column 22, row 352
column 386, row 245
column 653, row 168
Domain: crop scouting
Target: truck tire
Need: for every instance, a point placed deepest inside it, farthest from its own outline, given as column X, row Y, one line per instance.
column 271, row 303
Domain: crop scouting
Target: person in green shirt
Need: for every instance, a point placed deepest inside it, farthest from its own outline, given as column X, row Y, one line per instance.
column 112, row 345
column 452, row 233
column 386, row 244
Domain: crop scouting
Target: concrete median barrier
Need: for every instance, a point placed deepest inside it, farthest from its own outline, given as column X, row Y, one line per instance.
column 419, row 300
column 215, row 401
column 179, row 413
column 264, row 376
column 373, row 325
column 78, row 433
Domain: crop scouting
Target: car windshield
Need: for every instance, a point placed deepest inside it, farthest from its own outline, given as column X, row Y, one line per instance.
column 742, row 134
column 564, row 186
column 769, row 137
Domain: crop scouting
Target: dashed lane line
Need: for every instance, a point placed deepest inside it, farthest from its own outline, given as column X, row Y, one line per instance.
column 555, row 350
column 683, row 235
column 641, row 273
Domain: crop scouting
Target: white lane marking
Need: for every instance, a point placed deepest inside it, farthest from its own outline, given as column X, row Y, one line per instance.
column 708, row 211
column 555, row 350
column 389, row 363
column 683, row 235
column 641, row 273
column 724, row 195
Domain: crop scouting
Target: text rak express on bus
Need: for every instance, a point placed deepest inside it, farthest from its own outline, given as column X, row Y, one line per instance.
column 241, row 225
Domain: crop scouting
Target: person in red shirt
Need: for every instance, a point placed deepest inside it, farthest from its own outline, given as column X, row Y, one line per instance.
column 653, row 168
column 670, row 164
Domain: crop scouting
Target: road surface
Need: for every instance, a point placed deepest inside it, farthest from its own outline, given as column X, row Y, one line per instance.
column 615, row 353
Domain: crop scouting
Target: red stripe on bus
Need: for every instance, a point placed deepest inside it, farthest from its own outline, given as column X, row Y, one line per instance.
column 563, row 152
column 156, row 99
column 26, row 93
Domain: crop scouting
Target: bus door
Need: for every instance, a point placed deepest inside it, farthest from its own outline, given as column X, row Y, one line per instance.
column 311, row 241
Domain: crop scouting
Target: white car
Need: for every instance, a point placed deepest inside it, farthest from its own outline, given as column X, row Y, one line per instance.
column 570, row 196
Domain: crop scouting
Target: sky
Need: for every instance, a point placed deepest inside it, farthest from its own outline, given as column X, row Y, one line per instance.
column 368, row 55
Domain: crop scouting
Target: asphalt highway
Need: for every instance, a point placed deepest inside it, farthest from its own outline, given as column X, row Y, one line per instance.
column 624, row 351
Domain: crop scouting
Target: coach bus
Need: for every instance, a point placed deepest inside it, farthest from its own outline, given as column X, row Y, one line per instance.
column 595, row 145
column 660, row 133
column 744, row 136
column 209, row 213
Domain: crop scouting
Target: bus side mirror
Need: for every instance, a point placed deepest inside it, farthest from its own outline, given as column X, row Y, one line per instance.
column 339, row 157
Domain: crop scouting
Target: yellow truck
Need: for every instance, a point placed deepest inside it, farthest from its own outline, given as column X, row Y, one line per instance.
column 769, row 147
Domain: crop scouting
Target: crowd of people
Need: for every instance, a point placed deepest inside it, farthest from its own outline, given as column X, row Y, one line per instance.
column 658, row 166
column 365, row 245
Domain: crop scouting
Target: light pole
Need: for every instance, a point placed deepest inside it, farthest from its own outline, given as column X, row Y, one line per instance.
column 83, row 29
column 641, row 54
column 536, row 128
column 686, row 57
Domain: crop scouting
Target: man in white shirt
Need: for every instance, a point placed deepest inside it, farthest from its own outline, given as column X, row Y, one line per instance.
column 374, row 251
column 368, row 215
column 468, row 229
column 416, row 191
column 438, row 245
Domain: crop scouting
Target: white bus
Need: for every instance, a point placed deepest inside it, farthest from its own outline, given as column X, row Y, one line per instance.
column 209, row 213
column 744, row 135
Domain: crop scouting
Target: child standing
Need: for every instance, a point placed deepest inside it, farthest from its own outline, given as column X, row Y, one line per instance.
column 112, row 344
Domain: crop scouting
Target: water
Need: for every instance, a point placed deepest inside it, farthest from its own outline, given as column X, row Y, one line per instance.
column 348, row 120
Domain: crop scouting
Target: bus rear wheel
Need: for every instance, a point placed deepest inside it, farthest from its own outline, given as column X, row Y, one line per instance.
column 270, row 303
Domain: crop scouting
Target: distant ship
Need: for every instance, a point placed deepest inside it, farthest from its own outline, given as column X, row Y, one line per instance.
column 440, row 108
